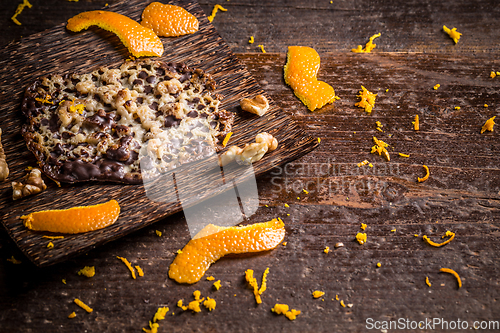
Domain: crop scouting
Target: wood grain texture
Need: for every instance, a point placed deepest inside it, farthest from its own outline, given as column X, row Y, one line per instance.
column 58, row 51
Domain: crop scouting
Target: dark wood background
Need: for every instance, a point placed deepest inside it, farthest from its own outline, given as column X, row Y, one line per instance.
column 462, row 194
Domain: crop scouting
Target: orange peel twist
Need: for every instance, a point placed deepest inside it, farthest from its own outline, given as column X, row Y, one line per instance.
column 139, row 40
column 301, row 69
column 214, row 242
column 169, row 20
column 73, row 220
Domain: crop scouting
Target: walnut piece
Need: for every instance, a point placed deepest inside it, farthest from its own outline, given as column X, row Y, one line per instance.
column 257, row 105
column 252, row 152
column 33, row 184
column 4, row 168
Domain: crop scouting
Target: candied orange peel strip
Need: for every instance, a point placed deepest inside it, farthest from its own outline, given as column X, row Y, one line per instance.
column 448, row 234
column 301, row 69
column 73, row 220
column 214, row 242
column 455, row 274
column 139, row 40
column 169, row 20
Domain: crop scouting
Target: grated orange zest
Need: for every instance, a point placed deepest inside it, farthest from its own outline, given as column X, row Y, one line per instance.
column 214, row 242
column 139, row 40
column 226, row 139
column 427, row 174
column 214, row 11
column 19, row 9
column 453, row 33
column 488, row 125
column 83, row 305
column 427, row 282
column 301, row 69
column 368, row 47
column 367, row 100
column 73, row 220
column 448, row 234
column 169, row 20
column 129, row 266
column 416, row 123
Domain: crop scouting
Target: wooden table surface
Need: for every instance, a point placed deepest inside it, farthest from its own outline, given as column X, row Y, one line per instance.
column 462, row 193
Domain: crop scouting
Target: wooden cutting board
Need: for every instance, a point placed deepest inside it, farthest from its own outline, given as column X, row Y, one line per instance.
column 59, row 51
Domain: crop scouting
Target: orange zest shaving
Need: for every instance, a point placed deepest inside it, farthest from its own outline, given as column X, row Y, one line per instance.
column 214, row 11
column 73, row 220
column 301, row 69
column 404, row 155
column 214, row 242
column 169, row 20
column 209, row 304
column 427, row 174
column 129, row 266
column 488, row 125
column 45, row 100
column 261, row 48
column 88, row 271
column 83, row 305
column 226, row 139
column 139, row 40
column 72, row 315
column 19, row 9
column 139, row 270
column 427, row 282
column 368, row 47
column 416, row 123
column 367, row 100
column 455, row 274
column 448, row 234
column 14, row 260
column 317, row 293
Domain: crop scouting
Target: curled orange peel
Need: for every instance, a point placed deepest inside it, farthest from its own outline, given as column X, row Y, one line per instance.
column 169, row 20
column 73, row 220
column 139, row 40
column 214, row 242
column 301, row 69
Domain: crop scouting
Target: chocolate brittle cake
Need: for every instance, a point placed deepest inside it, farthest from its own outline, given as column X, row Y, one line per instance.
column 109, row 124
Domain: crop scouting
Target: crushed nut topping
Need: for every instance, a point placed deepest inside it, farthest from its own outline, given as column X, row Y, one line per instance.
column 32, row 184
column 257, row 105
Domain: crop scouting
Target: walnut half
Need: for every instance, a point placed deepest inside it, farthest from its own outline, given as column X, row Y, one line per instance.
column 33, row 184
column 257, row 105
column 252, row 152
column 4, row 168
